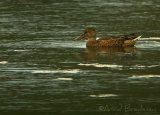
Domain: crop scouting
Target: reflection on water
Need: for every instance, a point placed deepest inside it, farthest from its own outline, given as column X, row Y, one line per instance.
column 43, row 70
column 91, row 53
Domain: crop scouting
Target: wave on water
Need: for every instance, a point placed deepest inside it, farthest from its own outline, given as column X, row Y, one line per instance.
column 56, row 71
column 118, row 67
column 144, row 76
column 20, row 50
column 64, row 79
column 72, row 71
column 151, row 42
column 142, row 66
column 102, row 65
column 104, row 95
column 150, row 38
column 3, row 62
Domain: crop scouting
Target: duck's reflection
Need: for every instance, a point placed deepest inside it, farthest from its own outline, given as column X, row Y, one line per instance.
column 91, row 53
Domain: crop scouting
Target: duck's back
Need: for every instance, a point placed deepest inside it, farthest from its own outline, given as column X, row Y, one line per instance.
column 114, row 41
column 110, row 42
column 118, row 41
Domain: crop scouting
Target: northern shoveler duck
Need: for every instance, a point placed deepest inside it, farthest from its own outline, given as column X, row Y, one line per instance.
column 89, row 34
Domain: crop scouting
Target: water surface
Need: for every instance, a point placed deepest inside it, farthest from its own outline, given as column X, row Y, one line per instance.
column 44, row 70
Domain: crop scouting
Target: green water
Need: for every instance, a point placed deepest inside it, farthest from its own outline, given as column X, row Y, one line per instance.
column 43, row 70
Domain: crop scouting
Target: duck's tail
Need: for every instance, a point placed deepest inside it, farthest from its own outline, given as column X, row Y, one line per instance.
column 137, row 38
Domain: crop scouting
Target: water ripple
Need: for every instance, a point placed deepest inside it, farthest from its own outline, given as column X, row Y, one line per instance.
column 65, row 79
column 41, row 71
column 3, row 62
column 144, row 76
column 102, row 65
column 104, row 95
column 119, row 67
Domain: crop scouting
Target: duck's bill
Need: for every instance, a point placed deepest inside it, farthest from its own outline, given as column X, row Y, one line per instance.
column 77, row 38
column 80, row 37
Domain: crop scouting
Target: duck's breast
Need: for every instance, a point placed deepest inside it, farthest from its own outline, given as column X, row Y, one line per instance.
column 92, row 43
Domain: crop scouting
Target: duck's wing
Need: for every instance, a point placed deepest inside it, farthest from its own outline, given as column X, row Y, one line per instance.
column 109, row 37
column 126, row 37
column 131, row 36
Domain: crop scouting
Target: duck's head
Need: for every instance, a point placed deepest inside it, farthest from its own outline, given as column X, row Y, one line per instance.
column 88, row 34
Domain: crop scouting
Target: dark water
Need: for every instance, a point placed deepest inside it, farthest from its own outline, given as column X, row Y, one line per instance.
column 43, row 70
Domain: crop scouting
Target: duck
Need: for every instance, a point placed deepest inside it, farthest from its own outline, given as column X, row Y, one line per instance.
column 89, row 34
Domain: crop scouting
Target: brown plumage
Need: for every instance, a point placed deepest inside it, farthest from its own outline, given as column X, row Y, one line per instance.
column 89, row 34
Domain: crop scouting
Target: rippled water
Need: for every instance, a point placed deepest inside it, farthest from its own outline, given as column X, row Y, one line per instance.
column 42, row 69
